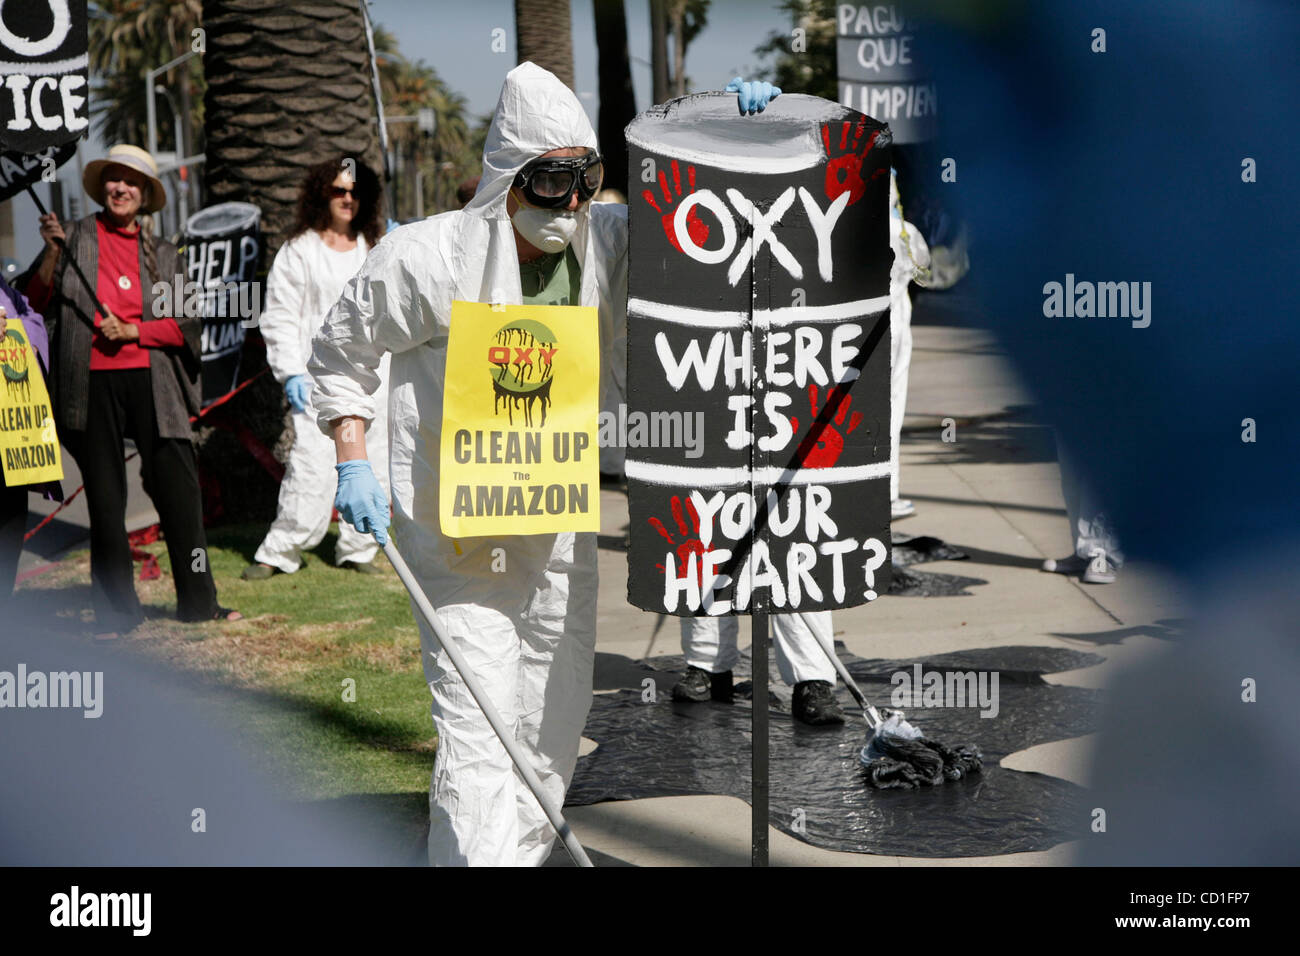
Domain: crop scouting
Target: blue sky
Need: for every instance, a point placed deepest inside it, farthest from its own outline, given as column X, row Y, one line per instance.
column 457, row 44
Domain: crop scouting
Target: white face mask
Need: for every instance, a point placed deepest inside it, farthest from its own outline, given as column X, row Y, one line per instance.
column 550, row 230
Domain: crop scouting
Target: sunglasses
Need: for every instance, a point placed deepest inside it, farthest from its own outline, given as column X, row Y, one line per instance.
column 550, row 181
column 338, row 192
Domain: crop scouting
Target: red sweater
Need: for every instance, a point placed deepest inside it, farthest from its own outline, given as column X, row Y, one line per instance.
column 119, row 265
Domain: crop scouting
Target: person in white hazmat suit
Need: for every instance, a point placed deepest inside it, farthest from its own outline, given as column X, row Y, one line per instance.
column 328, row 244
column 911, row 261
column 522, row 609
column 710, row 643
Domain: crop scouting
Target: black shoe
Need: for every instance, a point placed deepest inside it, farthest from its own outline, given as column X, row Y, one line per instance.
column 699, row 685
column 814, row 703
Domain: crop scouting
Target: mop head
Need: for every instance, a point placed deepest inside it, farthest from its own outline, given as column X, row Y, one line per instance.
column 898, row 756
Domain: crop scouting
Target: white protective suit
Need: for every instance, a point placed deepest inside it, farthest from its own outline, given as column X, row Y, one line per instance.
column 710, row 643
column 529, row 631
column 306, row 278
column 911, row 257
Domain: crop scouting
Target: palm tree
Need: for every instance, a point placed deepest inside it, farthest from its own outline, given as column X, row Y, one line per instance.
column 682, row 20
column 288, row 85
column 127, row 38
column 446, row 157
column 813, row 69
column 617, row 103
column 544, row 34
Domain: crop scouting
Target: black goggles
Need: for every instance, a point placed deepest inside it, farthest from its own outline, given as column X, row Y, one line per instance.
column 550, row 181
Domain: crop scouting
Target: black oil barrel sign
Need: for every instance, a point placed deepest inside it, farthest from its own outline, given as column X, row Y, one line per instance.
column 758, row 300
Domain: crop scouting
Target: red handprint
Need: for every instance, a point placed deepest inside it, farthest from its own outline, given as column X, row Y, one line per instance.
column 824, row 443
column 844, row 172
column 696, row 227
column 691, row 533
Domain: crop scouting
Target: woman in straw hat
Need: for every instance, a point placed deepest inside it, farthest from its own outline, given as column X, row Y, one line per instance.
column 131, row 372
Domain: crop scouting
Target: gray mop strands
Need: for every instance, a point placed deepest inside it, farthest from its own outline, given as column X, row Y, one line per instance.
column 899, row 757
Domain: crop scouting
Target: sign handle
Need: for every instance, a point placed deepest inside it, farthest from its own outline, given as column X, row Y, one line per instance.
column 758, row 795
column 63, row 246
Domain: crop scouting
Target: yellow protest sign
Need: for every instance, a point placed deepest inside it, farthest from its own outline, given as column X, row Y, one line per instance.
column 28, row 439
column 519, row 410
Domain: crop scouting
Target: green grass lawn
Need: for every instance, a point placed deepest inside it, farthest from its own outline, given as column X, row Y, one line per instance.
column 279, row 675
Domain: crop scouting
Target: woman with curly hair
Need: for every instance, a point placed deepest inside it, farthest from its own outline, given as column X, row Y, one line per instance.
column 339, row 221
column 128, row 373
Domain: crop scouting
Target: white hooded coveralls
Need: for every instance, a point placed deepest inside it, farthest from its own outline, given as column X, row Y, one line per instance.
column 305, row 280
column 528, row 631
column 911, row 256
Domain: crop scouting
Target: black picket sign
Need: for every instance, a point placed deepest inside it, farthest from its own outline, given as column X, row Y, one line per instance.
column 758, row 307
column 221, row 250
column 46, row 97
column 20, row 170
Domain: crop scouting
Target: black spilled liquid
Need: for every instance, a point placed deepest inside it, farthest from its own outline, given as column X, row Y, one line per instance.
column 818, row 790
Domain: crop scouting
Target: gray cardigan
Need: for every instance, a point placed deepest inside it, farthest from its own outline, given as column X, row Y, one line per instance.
column 175, row 371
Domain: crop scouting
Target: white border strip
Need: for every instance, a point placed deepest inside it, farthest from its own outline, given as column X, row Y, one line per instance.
column 763, row 318
column 799, row 315
column 47, row 67
column 698, row 477
column 682, row 315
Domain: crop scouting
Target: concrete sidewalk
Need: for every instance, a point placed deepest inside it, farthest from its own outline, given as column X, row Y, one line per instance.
column 994, row 492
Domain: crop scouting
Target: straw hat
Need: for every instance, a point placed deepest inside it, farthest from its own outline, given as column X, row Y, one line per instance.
column 133, row 157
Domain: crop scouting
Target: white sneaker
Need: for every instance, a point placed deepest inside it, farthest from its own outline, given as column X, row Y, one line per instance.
column 1100, row 570
column 901, row 508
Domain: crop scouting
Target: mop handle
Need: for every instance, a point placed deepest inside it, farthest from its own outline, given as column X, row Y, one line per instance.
column 868, row 711
column 552, row 812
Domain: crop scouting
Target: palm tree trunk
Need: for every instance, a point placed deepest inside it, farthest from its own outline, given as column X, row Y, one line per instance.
column 544, row 35
column 617, row 102
column 677, row 19
column 660, row 91
column 288, row 86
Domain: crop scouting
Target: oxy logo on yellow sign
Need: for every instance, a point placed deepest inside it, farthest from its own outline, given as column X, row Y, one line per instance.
column 28, row 439
column 519, row 412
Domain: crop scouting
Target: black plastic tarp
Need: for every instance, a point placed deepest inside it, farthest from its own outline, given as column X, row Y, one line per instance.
column 818, row 794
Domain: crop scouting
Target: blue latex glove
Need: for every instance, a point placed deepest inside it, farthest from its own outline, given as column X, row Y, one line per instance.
column 752, row 97
column 361, row 501
column 296, row 389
